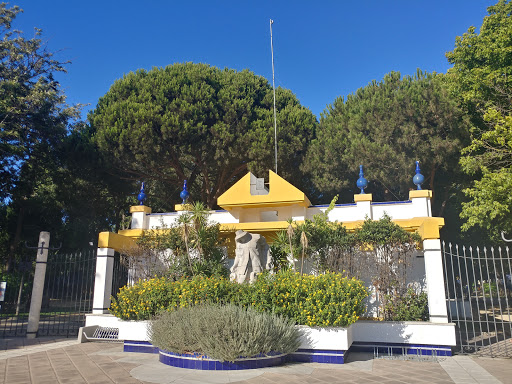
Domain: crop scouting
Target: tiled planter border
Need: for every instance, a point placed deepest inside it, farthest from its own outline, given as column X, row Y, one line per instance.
column 325, row 345
column 301, row 355
column 204, row 363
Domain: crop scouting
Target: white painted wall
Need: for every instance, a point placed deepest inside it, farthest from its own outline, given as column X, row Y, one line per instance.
column 337, row 338
column 407, row 332
column 417, row 207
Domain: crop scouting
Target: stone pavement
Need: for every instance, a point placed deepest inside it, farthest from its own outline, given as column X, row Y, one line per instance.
column 48, row 360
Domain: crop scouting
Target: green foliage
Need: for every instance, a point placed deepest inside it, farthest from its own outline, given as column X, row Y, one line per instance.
column 481, row 78
column 482, row 64
column 388, row 250
column 33, row 114
column 189, row 247
column 224, row 333
column 278, row 252
column 490, row 154
column 386, row 126
column 412, row 306
column 490, row 204
column 34, row 124
column 200, row 123
column 327, row 242
column 384, row 233
column 325, row 300
column 378, row 250
column 146, row 298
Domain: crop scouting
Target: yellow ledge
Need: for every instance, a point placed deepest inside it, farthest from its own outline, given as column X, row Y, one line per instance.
column 140, row 208
column 115, row 241
column 420, row 193
column 132, row 233
column 362, row 197
column 261, row 226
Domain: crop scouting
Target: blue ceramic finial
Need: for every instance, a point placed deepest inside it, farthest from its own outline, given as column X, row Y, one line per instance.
column 184, row 194
column 362, row 183
column 141, row 196
column 418, row 178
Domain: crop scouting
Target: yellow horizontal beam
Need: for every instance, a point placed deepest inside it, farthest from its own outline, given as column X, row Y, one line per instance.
column 286, row 203
column 132, row 233
column 259, row 226
column 427, row 227
column 115, row 241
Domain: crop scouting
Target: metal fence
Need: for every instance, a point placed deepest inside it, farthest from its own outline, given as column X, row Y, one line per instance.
column 119, row 275
column 478, row 283
column 17, row 287
column 68, row 293
column 67, row 296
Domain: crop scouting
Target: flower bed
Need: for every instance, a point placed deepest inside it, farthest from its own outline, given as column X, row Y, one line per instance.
column 323, row 345
column 223, row 332
column 325, row 300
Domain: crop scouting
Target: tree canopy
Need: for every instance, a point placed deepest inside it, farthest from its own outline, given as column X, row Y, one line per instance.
column 199, row 123
column 387, row 126
column 482, row 61
column 51, row 178
column 34, row 120
column 33, row 113
column 481, row 78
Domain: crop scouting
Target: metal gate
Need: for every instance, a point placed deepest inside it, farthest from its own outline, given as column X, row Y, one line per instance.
column 479, row 296
column 68, row 293
column 67, row 297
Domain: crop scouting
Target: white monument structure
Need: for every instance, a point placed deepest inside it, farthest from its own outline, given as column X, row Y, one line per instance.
column 252, row 256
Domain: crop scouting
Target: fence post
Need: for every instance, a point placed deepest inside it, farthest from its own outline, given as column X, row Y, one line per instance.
column 435, row 281
column 38, row 286
column 103, row 280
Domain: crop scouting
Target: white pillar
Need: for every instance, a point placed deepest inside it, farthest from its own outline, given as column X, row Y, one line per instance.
column 435, row 281
column 103, row 280
column 421, row 206
column 140, row 219
column 38, row 286
column 364, row 204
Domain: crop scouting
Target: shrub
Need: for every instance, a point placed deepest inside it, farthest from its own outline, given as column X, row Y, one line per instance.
column 146, row 298
column 325, row 300
column 379, row 251
column 189, row 247
column 224, row 333
column 410, row 307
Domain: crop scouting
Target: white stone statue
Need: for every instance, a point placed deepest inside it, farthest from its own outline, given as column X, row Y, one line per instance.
column 252, row 256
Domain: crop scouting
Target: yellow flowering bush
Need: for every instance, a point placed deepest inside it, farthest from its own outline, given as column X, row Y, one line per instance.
column 146, row 298
column 325, row 300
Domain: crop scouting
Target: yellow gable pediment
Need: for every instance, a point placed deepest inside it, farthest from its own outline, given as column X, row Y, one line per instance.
column 246, row 194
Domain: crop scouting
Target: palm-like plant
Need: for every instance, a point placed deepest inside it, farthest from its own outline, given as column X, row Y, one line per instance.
column 199, row 219
column 184, row 221
column 290, row 231
column 304, row 244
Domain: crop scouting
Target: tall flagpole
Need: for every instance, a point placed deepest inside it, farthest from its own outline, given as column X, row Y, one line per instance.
column 274, row 87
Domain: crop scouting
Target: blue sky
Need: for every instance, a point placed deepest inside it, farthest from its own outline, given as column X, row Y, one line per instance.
column 322, row 49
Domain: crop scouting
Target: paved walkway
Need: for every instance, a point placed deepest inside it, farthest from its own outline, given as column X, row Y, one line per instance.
column 48, row 360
